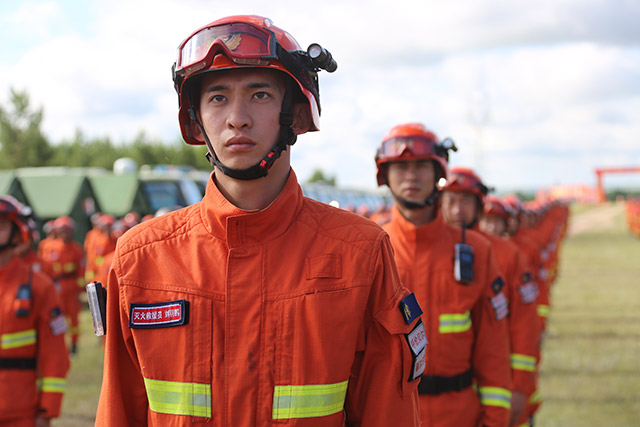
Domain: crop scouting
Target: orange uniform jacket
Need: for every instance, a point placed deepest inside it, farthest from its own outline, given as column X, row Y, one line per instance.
column 35, row 339
column 66, row 261
column 532, row 250
column 524, row 326
column 288, row 315
column 97, row 245
column 466, row 323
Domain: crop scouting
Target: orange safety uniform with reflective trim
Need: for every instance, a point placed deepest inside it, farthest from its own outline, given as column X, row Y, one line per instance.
column 464, row 329
column 66, row 260
column 524, row 326
column 36, row 338
column 293, row 318
column 99, row 245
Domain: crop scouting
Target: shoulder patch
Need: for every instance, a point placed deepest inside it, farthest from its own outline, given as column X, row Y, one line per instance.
column 526, row 277
column 158, row 315
column 497, row 285
column 410, row 308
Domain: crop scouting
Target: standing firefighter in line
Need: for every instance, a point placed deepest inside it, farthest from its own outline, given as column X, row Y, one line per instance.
column 33, row 357
column 455, row 278
column 257, row 306
column 463, row 199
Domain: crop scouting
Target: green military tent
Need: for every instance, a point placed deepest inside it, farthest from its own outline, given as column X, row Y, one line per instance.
column 10, row 185
column 119, row 194
column 60, row 191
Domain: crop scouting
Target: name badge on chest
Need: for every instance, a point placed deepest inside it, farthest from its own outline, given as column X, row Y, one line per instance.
column 158, row 315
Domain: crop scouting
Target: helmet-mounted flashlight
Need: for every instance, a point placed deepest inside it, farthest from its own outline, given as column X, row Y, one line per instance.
column 321, row 58
column 444, row 147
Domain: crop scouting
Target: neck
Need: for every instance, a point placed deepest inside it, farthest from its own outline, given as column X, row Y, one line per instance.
column 255, row 194
column 418, row 216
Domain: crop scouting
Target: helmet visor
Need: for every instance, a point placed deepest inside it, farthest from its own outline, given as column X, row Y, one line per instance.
column 243, row 43
column 396, row 147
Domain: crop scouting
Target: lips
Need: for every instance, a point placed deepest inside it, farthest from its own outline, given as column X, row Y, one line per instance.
column 240, row 143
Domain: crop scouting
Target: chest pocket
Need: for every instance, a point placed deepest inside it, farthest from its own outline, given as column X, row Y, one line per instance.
column 175, row 357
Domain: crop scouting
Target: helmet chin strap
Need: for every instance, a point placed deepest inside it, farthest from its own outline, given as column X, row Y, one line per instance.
column 286, row 137
column 429, row 201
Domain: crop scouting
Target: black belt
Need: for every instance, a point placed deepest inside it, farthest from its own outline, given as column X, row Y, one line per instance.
column 434, row 384
column 23, row 363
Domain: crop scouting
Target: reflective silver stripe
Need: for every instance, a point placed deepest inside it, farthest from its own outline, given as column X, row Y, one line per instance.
column 18, row 339
column 495, row 396
column 53, row 385
column 176, row 398
column 522, row 362
column 306, row 401
column 454, row 323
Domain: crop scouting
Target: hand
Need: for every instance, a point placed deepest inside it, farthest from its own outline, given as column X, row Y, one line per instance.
column 42, row 422
column 518, row 402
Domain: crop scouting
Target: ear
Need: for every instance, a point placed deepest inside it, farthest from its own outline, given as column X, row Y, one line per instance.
column 195, row 129
column 301, row 118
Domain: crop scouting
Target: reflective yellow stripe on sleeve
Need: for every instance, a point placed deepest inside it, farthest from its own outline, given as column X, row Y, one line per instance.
column 522, row 362
column 535, row 398
column 18, row 339
column 306, row 401
column 495, row 396
column 450, row 323
column 176, row 398
column 69, row 267
column 543, row 310
column 53, row 384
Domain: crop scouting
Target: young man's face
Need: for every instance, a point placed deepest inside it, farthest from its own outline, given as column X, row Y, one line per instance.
column 240, row 112
column 412, row 180
column 459, row 208
column 493, row 224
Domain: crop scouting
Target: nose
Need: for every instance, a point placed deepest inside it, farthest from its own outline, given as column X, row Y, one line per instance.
column 238, row 118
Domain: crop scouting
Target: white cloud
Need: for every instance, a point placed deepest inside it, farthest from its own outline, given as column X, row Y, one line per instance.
column 549, row 76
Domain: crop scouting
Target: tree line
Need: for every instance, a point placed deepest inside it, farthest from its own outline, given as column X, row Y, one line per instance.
column 23, row 144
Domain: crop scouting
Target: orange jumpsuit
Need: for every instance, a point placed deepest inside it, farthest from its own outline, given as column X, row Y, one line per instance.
column 289, row 315
column 102, row 273
column 97, row 245
column 66, row 259
column 33, row 339
column 466, row 324
column 524, row 325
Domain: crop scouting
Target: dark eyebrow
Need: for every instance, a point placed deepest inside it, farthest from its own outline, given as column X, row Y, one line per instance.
column 216, row 88
column 260, row 85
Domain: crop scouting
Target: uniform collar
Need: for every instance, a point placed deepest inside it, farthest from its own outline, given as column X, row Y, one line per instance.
column 239, row 227
column 429, row 231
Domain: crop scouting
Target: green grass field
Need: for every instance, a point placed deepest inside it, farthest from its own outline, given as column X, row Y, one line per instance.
column 590, row 372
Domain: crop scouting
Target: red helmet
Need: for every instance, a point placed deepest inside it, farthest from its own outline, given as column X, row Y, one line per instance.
column 106, row 220
column 65, row 223
column 463, row 180
column 15, row 212
column 493, row 206
column 513, row 204
column 241, row 42
column 410, row 141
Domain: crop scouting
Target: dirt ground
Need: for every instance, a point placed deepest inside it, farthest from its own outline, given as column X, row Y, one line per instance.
column 600, row 218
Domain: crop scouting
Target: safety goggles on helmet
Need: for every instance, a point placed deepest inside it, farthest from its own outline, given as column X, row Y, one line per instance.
column 242, row 42
column 395, row 147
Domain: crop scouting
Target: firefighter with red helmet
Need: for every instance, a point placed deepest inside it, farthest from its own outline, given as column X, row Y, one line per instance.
column 33, row 357
column 455, row 277
column 256, row 306
column 463, row 200
column 65, row 258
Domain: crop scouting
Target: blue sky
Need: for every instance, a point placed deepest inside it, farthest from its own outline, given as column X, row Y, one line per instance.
column 534, row 93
